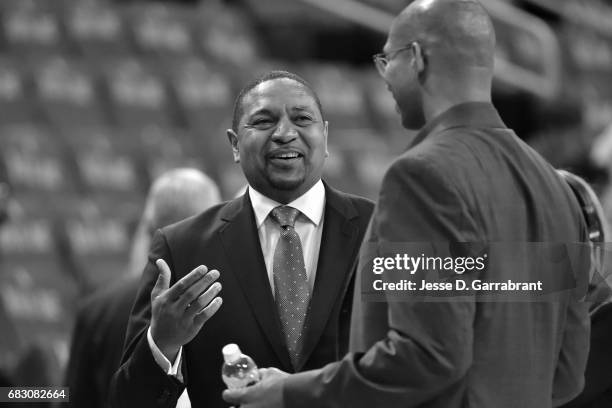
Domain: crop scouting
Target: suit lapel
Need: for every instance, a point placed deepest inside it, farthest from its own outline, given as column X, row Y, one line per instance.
column 334, row 268
column 241, row 242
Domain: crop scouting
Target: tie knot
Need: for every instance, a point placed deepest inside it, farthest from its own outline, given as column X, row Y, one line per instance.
column 284, row 215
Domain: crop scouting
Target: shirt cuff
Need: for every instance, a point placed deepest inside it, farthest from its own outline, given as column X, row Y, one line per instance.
column 162, row 361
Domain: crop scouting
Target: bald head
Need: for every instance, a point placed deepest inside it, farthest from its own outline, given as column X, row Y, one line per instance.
column 175, row 195
column 179, row 194
column 455, row 34
column 439, row 53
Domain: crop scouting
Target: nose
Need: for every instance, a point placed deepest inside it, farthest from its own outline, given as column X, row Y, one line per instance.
column 285, row 132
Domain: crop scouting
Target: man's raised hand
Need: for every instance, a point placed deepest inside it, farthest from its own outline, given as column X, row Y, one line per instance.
column 179, row 312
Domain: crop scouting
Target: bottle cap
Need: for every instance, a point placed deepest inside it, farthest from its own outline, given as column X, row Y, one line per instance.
column 231, row 352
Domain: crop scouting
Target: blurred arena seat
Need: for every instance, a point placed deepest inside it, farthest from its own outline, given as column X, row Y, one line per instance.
column 96, row 30
column 37, row 168
column 160, row 30
column 202, row 92
column 16, row 101
column 67, row 93
column 29, row 30
column 225, row 34
column 341, row 95
column 110, row 174
column 138, row 96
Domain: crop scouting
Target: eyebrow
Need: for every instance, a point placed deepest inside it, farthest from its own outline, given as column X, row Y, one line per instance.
column 266, row 111
column 262, row 111
column 302, row 108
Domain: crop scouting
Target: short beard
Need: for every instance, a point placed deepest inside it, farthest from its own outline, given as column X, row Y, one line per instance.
column 286, row 185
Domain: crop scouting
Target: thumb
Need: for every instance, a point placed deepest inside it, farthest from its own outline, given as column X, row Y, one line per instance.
column 163, row 279
column 274, row 373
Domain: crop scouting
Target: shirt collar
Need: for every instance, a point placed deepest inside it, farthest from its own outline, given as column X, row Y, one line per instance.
column 311, row 204
column 468, row 114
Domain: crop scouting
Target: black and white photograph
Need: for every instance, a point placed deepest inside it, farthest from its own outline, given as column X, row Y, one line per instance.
column 306, row 203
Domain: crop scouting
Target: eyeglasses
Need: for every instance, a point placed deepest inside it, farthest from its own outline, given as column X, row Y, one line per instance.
column 382, row 59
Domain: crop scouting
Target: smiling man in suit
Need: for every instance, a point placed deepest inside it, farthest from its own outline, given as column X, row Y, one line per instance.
column 283, row 253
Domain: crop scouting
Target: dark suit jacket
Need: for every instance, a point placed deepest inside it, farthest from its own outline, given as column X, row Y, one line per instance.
column 467, row 178
column 97, row 343
column 225, row 238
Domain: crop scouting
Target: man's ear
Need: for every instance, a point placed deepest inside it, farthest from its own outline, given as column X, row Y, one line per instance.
column 325, row 128
column 418, row 61
column 233, row 139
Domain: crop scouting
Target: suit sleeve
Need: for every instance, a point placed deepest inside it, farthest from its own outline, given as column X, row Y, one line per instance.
column 569, row 375
column 428, row 347
column 140, row 381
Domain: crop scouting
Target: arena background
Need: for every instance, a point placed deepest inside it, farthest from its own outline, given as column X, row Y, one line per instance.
column 99, row 97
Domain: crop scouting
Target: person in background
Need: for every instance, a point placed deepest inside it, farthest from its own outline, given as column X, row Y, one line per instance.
column 101, row 322
column 284, row 253
column 597, row 392
column 467, row 185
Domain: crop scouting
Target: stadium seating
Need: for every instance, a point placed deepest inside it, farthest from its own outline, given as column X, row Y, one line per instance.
column 37, row 294
column 99, row 98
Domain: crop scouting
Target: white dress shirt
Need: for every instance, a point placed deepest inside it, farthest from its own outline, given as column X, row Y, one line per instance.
column 308, row 225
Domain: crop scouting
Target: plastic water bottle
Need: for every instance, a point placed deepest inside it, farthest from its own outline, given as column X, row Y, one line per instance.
column 239, row 370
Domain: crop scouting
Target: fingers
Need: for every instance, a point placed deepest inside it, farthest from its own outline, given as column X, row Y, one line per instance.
column 198, row 288
column 163, row 279
column 234, row 395
column 186, row 281
column 201, row 301
column 193, row 294
column 267, row 393
column 206, row 313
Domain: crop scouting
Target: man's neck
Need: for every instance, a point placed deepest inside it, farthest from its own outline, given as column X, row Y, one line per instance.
column 442, row 92
column 434, row 107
